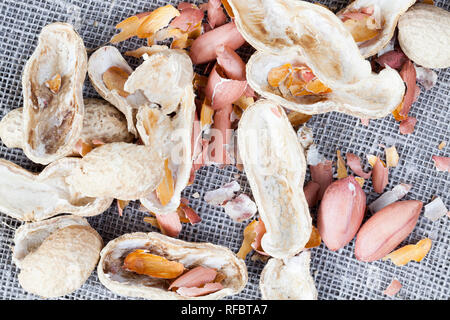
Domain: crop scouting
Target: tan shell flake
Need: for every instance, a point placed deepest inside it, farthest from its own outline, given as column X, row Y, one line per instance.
column 322, row 43
column 424, row 35
column 56, row 256
column 162, row 78
column 53, row 121
column 101, row 122
column 288, row 279
column 101, row 61
column 125, row 283
column 32, row 197
column 119, row 170
column 275, row 165
column 389, row 13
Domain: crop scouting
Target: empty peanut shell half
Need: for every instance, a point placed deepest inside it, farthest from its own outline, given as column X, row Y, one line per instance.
column 56, row 256
column 52, row 83
column 424, row 35
column 314, row 66
column 102, row 122
column 108, row 72
column 163, row 78
column 160, row 79
column 187, row 255
column 372, row 23
column 32, row 197
column 288, row 279
column 119, row 170
column 275, row 165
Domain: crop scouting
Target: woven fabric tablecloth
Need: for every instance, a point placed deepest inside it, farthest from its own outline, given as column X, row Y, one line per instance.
column 338, row 275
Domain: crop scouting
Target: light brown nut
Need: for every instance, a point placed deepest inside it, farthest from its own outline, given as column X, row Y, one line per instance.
column 275, row 165
column 341, row 212
column 424, row 35
column 387, row 12
column 101, row 122
column 288, row 279
column 62, row 260
column 321, row 43
column 119, row 170
column 126, row 283
column 32, row 197
column 53, row 120
column 386, row 229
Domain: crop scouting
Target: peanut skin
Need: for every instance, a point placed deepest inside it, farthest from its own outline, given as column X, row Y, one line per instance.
column 203, row 49
column 341, row 212
column 386, row 229
column 311, row 191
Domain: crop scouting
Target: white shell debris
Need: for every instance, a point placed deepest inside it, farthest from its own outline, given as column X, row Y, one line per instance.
column 389, row 197
column 305, row 136
column 435, row 210
column 426, row 77
column 241, row 208
column 224, row 193
column 313, row 156
column 288, row 279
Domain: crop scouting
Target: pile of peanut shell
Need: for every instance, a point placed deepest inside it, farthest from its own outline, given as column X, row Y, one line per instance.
column 159, row 123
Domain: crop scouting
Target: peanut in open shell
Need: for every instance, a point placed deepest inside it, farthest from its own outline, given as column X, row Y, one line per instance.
column 190, row 254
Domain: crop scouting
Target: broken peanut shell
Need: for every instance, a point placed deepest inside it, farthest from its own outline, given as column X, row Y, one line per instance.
column 386, row 13
column 52, row 121
column 321, row 43
column 288, row 279
column 169, row 134
column 275, row 165
column 33, row 197
column 99, row 63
